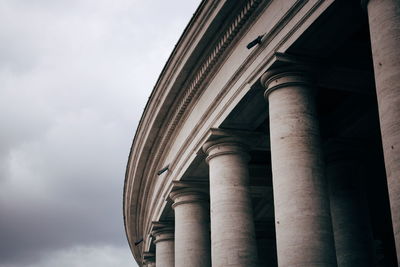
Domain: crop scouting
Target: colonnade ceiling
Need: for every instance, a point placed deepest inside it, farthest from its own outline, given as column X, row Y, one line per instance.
column 339, row 41
column 338, row 46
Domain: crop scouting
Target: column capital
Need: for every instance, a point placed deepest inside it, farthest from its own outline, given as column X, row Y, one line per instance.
column 162, row 232
column 188, row 195
column 163, row 235
column 226, row 145
column 287, row 76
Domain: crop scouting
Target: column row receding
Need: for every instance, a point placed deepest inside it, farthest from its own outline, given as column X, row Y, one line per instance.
column 302, row 210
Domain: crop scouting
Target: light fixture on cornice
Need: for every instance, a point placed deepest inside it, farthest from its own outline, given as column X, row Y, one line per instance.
column 138, row 242
column 255, row 42
column 163, row 170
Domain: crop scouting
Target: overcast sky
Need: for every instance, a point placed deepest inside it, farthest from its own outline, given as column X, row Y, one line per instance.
column 75, row 76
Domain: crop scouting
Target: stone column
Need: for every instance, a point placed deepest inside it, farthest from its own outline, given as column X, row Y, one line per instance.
column 164, row 241
column 303, row 223
column 192, row 228
column 149, row 264
column 149, row 259
column 233, row 241
column 351, row 228
column 384, row 24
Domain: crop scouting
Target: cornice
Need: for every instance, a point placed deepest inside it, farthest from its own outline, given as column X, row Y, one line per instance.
column 143, row 128
column 205, row 69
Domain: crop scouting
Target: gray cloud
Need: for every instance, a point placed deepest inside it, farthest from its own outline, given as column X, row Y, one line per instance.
column 84, row 256
column 74, row 79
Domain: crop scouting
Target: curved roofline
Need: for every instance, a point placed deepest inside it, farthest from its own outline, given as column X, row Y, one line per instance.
column 210, row 31
column 150, row 99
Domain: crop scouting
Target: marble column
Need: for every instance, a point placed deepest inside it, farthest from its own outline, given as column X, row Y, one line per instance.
column 192, row 228
column 302, row 214
column 384, row 25
column 164, row 241
column 233, row 241
column 350, row 221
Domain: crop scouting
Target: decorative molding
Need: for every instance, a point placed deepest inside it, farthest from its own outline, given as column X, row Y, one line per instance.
column 130, row 208
column 188, row 195
column 161, row 228
column 205, row 68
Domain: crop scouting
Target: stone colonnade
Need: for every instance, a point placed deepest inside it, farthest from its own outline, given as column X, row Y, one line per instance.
column 313, row 225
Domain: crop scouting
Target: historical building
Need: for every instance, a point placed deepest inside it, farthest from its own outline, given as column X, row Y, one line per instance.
column 272, row 138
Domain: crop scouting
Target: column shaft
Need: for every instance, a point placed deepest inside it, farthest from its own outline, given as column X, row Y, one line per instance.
column 303, row 223
column 164, row 247
column 384, row 24
column 352, row 232
column 149, row 259
column 192, row 232
column 233, row 240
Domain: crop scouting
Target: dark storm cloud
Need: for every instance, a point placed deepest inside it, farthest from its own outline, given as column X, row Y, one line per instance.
column 74, row 78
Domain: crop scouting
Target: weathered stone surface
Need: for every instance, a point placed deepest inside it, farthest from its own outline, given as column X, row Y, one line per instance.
column 233, row 240
column 192, row 230
column 164, row 241
column 303, row 224
column 384, row 24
